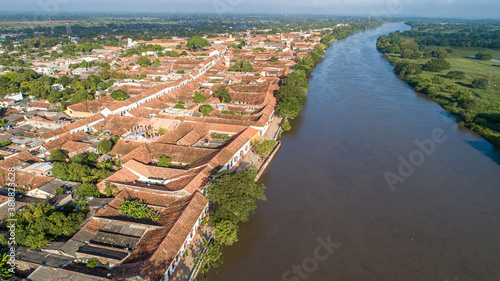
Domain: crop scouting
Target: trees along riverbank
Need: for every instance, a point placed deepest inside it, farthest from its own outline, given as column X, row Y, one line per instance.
column 465, row 82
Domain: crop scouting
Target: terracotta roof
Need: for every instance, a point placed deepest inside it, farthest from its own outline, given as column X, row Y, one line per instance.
column 58, row 143
column 157, row 249
column 14, row 159
column 72, row 126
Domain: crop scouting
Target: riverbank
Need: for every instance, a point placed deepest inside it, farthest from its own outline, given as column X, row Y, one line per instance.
column 463, row 85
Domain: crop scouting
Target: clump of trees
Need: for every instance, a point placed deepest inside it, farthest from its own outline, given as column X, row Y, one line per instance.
column 233, row 198
column 40, row 223
column 197, row 43
column 242, row 66
column 144, row 61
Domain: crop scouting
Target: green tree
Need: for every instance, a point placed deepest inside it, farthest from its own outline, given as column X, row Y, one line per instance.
column 58, row 155
column 226, row 233
column 87, row 190
column 289, row 107
column 480, row 83
column 200, row 98
column 197, row 43
column 206, row 109
column 242, row 66
column 223, row 94
column 39, row 223
column 234, row 195
column 144, row 61
column 456, row 74
column 119, row 95
column 81, row 95
column 164, row 162
column 109, row 189
column 484, row 56
column 104, row 74
column 436, row 65
column 104, row 146
column 273, row 59
column 439, row 53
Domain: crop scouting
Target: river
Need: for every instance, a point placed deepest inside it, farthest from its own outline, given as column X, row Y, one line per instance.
column 338, row 208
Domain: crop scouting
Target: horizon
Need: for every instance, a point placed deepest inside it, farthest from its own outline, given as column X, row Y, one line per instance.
column 446, row 9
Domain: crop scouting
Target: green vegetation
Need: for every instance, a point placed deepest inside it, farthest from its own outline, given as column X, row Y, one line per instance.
column 104, row 146
column 199, row 97
column 465, row 83
column 138, row 210
column 119, row 95
column 242, row 66
column 38, row 224
column 220, row 136
column 4, row 143
column 197, row 43
column 144, row 61
column 162, row 131
column 223, row 94
column 164, row 162
column 206, row 109
column 58, row 155
column 5, row 272
column 109, row 189
column 81, row 168
column 91, row 263
column 263, row 148
column 233, row 197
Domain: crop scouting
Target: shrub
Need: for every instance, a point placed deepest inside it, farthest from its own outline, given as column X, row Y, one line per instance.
column 206, row 109
column 263, row 148
column 164, row 162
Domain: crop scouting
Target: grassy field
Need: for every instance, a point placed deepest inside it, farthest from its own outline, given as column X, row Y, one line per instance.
column 485, row 110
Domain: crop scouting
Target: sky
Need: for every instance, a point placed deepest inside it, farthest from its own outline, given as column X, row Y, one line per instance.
column 475, row 9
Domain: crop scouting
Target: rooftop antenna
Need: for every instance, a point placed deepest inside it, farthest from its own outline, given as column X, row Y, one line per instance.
column 51, row 26
column 68, row 29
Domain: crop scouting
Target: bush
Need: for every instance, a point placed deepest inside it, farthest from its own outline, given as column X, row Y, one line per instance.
column 138, row 210
column 164, row 162
column 480, row 83
column 104, row 146
column 484, row 56
column 119, row 95
column 436, row 65
column 199, row 98
column 206, row 109
column 456, row 74
column 87, row 190
column 263, row 148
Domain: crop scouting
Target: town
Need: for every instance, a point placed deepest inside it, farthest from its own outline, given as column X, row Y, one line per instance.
column 120, row 142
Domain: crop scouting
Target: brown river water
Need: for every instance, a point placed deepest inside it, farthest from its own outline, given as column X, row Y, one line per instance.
column 374, row 182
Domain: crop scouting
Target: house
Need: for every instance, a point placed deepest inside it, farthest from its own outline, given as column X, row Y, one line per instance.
column 16, row 97
column 40, row 105
column 48, row 189
column 40, row 169
column 58, row 87
column 6, row 102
